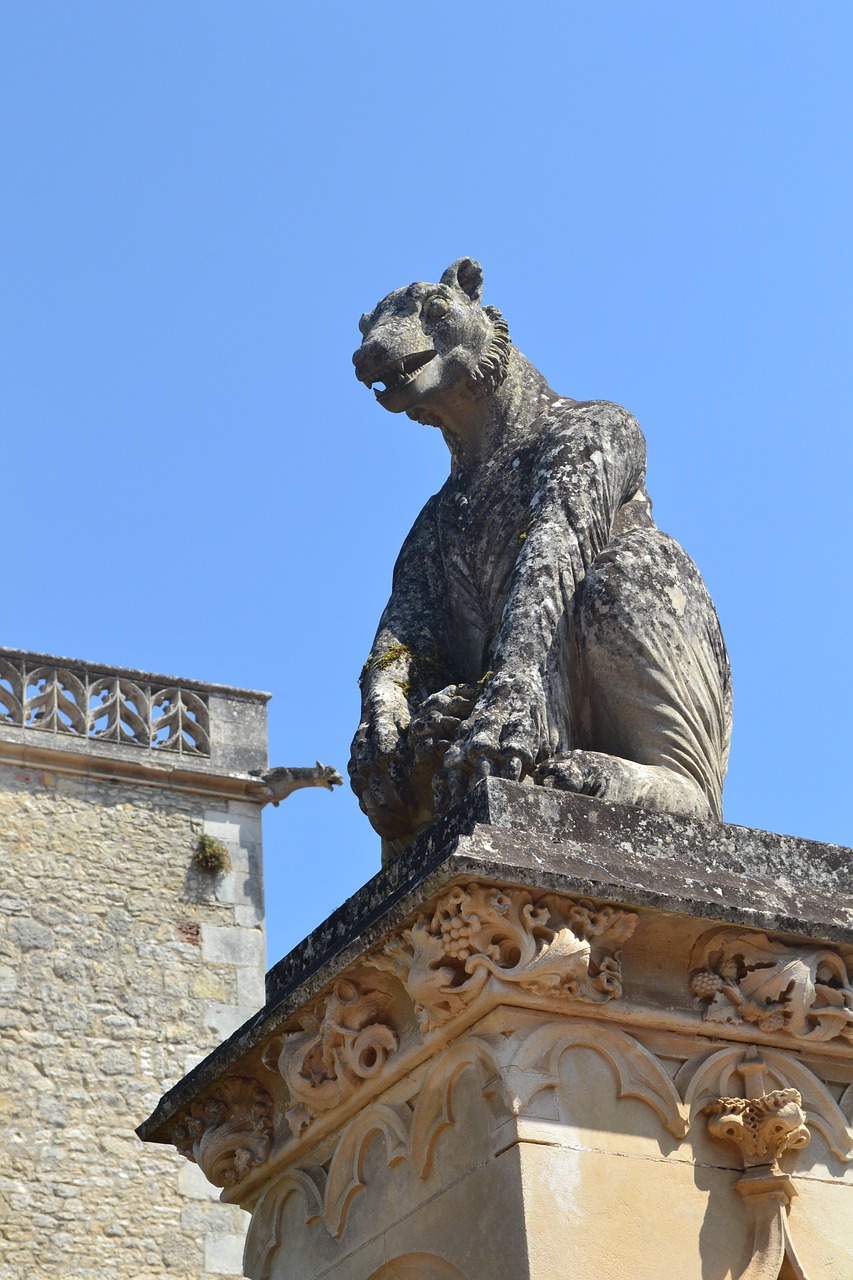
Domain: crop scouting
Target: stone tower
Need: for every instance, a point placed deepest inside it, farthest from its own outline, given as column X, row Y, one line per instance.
column 122, row 961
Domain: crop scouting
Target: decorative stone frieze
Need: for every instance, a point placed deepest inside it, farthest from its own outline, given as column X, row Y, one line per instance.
column 349, row 1040
column 804, row 992
column 228, row 1133
column 550, row 946
column 513, row 1074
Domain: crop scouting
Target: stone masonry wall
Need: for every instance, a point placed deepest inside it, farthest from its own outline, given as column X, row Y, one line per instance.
column 120, row 967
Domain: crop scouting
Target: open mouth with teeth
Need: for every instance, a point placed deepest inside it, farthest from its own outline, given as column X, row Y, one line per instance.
column 400, row 373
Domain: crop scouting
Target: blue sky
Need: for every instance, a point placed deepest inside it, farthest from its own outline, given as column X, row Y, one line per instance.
column 200, row 199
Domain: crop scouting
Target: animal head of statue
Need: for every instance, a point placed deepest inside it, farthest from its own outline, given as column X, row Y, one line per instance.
column 433, row 347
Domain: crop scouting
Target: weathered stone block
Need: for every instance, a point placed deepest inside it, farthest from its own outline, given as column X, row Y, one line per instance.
column 223, row 1254
column 231, row 945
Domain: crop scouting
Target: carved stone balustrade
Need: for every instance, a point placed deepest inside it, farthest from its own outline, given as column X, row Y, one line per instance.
column 135, row 720
column 554, row 1030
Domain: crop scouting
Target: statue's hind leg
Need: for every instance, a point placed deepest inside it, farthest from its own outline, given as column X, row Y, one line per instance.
column 650, row 681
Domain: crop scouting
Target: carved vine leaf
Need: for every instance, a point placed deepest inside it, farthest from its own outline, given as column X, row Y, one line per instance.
column 803, row 991
column 349, row 1041
column 552, row 946
column 228, row 1133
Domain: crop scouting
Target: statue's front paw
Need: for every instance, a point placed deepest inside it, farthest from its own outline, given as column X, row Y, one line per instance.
column 503, row 736
column 378, row 772
column 439, row 716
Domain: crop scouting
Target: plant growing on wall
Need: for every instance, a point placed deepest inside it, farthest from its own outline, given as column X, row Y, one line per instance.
column 211, row 856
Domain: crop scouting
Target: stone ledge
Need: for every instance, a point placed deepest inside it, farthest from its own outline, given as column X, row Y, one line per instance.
column 109, row 766
column 510, row 834
column 586, row 846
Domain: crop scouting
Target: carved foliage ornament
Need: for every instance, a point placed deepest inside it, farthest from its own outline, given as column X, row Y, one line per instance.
column 228, row 1133
column 803, row 991
column 552, row 947
column 347, row 1041
column 761, row 1128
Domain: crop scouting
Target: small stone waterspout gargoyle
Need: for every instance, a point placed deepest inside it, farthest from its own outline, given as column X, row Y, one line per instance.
column 540, row 626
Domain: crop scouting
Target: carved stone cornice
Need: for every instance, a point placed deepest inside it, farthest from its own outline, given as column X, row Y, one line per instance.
column 800, row 991
column 513, row 1070
column 481, row 950
column 479, row 934
column 228, row 1132
column 479, row 944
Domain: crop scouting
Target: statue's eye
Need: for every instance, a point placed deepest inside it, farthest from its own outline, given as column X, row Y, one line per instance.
column 436, row 307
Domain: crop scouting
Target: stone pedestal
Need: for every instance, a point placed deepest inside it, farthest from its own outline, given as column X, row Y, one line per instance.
column 557, row 1035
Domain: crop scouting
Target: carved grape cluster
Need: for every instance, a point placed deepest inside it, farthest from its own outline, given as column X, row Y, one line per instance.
column 456, row 936
column 704, row 985
column 462, row 931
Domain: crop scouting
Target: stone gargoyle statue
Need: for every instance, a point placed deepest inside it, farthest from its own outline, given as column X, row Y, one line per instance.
column 540, row 626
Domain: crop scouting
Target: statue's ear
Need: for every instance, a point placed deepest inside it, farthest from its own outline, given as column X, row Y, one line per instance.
column 467, row 275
